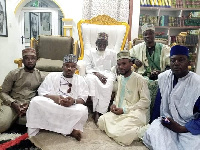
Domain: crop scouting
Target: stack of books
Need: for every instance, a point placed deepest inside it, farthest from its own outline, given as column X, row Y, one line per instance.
column 145, row 18
column 170, row 21
column 192, row 4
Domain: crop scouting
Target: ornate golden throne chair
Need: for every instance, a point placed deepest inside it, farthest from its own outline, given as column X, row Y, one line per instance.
column 50, row 52
column 89, row 29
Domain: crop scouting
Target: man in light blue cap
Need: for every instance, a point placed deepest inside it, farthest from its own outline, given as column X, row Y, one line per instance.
column 177, row 107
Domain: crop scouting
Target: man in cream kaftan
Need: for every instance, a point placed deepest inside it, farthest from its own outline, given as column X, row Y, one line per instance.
column 130, row 110
column 178, row 100
column 151, row 57
column 59, row 108
column 99, row 76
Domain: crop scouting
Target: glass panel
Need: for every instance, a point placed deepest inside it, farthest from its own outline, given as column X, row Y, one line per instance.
column 37, row 23
column 41, row 3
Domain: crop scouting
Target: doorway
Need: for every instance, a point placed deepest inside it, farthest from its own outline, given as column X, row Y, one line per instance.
column 39, row 17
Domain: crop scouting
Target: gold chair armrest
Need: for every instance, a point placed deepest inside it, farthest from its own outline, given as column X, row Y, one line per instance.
column 130, row 45
column 19, row 62
column 75, row 51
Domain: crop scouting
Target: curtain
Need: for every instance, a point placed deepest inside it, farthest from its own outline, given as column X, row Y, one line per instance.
column 117, row 9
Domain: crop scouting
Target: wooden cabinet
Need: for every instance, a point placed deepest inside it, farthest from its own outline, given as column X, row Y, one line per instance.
column 177, row 25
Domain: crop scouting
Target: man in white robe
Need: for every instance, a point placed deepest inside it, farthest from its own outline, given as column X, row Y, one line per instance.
column 177, row 106
column 99, row 76
column 59, row 108
column 130, row 110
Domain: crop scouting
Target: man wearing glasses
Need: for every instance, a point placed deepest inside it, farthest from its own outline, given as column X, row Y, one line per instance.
column 59, row 108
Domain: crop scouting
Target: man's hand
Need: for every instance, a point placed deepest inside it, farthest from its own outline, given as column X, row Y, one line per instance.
column 16, row 107
column 174, row 126
column 23, row 109
column 115, row 110
column 55, row 98
column 112, row 108
column 154, row 74
column 101, row 77
column 67, row 102
column 138, row 63
column 118, row 111
column 20, row 109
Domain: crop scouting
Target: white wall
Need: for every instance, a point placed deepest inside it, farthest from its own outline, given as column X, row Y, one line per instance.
column 10, row 47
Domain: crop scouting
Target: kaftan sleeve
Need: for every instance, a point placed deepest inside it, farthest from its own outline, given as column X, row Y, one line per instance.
column 132, row 53
column 165, row 62
column 144, row 97
column 90, row 66
column 193, row 126
column 83, row 89
column 7, row 88
column 114, row 61
column 47, row 85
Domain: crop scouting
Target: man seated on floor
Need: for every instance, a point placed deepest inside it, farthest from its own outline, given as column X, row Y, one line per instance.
column 59, row 106
column 130, row 110
column 99, row 77
column 177, row 107
column 19, row 86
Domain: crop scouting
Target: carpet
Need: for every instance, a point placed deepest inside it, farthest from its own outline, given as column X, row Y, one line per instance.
column 16, row 138
column 93, row 139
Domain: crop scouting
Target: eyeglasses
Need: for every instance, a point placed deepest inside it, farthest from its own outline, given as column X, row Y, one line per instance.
column 66, row 83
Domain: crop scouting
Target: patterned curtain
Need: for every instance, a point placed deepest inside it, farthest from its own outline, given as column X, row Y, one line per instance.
column 117, row 9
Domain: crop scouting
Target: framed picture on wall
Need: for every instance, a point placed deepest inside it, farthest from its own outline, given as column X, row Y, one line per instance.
column 34, row 25
column 45, row 20
column 3, row 19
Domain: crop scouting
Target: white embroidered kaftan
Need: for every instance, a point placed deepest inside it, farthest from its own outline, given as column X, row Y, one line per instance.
column 102, row 62
column 44, row 113
column 176, row 103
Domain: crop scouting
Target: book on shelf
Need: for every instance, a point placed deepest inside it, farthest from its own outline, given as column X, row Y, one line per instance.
column 156, row 3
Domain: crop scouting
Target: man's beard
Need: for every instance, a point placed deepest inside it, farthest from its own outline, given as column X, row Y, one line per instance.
column 124, row 73
column 29, row 68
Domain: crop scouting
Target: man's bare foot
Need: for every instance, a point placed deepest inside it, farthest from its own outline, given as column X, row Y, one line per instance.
column 76, row 134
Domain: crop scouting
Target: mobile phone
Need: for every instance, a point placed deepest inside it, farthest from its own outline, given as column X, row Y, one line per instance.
column 165, row 120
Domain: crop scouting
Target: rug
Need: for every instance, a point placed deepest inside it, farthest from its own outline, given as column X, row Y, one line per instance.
column 12, row 142
column 93, row 139
column 16, row 138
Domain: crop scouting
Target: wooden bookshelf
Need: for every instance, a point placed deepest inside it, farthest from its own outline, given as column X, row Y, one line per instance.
column 173, row 31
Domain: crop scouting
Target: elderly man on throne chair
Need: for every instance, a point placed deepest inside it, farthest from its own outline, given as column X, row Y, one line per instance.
column 99, row 77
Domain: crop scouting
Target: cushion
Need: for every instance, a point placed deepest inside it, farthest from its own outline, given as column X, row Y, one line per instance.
column 49, row 65
column 115, row 33
column 54, row 47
